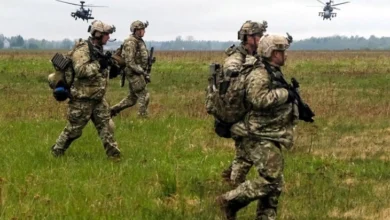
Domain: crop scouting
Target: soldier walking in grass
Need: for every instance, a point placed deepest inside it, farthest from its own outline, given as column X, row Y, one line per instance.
column 87, row 98
column 249, row 35
column 267, row 127
column 135, row 54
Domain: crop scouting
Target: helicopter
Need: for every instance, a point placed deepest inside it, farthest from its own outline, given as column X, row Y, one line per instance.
column 82, row 13
column 328, row 9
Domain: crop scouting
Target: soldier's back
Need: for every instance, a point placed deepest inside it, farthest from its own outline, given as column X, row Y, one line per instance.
column 235, row 58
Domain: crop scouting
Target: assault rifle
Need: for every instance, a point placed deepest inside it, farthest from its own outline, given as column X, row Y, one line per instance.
column 97, row 54
column 114, row 67
column 305, row 112
column 151, row 60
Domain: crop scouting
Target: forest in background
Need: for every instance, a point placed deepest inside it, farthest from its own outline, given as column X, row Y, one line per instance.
column 190, row 43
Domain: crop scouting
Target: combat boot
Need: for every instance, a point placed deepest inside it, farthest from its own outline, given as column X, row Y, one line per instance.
column 267, row 214
column 228, row 209
column 113, row 153
column 143, row 114
column 267, row 207
column 57, row 152
column 113, row 112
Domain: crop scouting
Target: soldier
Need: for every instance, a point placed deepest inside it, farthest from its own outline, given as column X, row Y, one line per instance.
column 87, row 100
column 135, row 54
column 268, row 127
column 249, row 35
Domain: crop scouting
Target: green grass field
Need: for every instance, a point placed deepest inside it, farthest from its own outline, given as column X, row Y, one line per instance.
column 171, row 164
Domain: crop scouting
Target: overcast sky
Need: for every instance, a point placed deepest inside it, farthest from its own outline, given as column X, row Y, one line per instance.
column 203, row 19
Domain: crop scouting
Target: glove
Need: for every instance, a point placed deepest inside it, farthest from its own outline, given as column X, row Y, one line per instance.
column 291, row 96
column 114, row 71
column 103, row 64
column 222, row 129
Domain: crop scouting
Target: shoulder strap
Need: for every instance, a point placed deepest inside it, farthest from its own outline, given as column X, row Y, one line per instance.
column 278, row 78
column 91, row 53
column 242, row 50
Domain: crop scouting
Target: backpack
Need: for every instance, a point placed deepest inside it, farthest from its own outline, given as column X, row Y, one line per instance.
column 225, row 96
column 62, row 79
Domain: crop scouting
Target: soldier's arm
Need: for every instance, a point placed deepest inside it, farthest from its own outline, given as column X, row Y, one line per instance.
column 259, row 92
column 233, row 62
column 130, row 49
column 82, row 64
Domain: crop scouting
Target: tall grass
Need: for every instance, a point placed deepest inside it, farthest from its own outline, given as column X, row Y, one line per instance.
column 172, row 161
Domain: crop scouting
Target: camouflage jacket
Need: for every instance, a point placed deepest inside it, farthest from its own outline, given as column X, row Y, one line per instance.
column 135, row 55
column 236, row 58
column 90, row 82
column 270, row 117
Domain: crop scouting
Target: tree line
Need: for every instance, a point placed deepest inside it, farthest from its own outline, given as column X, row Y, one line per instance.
column 189, row 43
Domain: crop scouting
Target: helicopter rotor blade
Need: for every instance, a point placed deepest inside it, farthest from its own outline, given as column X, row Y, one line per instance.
column 321, row 2
column 96, row 6
column 336, row 8
column 340, row 3
column 68, row 3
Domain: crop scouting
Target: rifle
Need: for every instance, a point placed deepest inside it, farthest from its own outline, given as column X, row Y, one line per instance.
column 97, row 54
column 151, row 60
column 305, row 112
column 113, row 62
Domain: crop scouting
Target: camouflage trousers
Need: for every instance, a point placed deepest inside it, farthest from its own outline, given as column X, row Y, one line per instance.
column 239, row 167
column 267, row 158
column 138, row 92
column 79, row 113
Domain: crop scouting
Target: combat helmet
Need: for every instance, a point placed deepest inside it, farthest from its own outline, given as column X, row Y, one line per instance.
column 269, row 43
column 100, row 27
column 250, row 28
column 138, row 25
column 57, row 82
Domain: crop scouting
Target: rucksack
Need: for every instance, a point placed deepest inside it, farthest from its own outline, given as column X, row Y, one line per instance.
column 225, row 96
column 62, row 79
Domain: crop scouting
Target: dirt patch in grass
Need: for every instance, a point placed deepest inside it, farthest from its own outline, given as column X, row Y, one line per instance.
column 365, row 212
column 362, row 145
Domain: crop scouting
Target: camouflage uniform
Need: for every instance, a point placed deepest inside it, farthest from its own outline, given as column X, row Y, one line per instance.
column 267, row 127
column 87, row 102
column 238, row 169
column 236, row 172
column 135, row 55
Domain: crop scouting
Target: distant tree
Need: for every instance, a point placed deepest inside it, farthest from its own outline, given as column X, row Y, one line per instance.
column 190, row 38
column 179, row 38
column 17, row 41
column 44, row 44
column 66, row 44
column 2, row 38
column 33, row 46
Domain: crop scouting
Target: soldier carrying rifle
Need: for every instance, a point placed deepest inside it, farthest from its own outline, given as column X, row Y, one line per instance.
column 138, row 63
column 267, row 128
column 87, row 91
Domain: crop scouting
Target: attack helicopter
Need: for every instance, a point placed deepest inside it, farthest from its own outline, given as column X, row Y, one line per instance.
column 328, row 9
column 82, row 13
